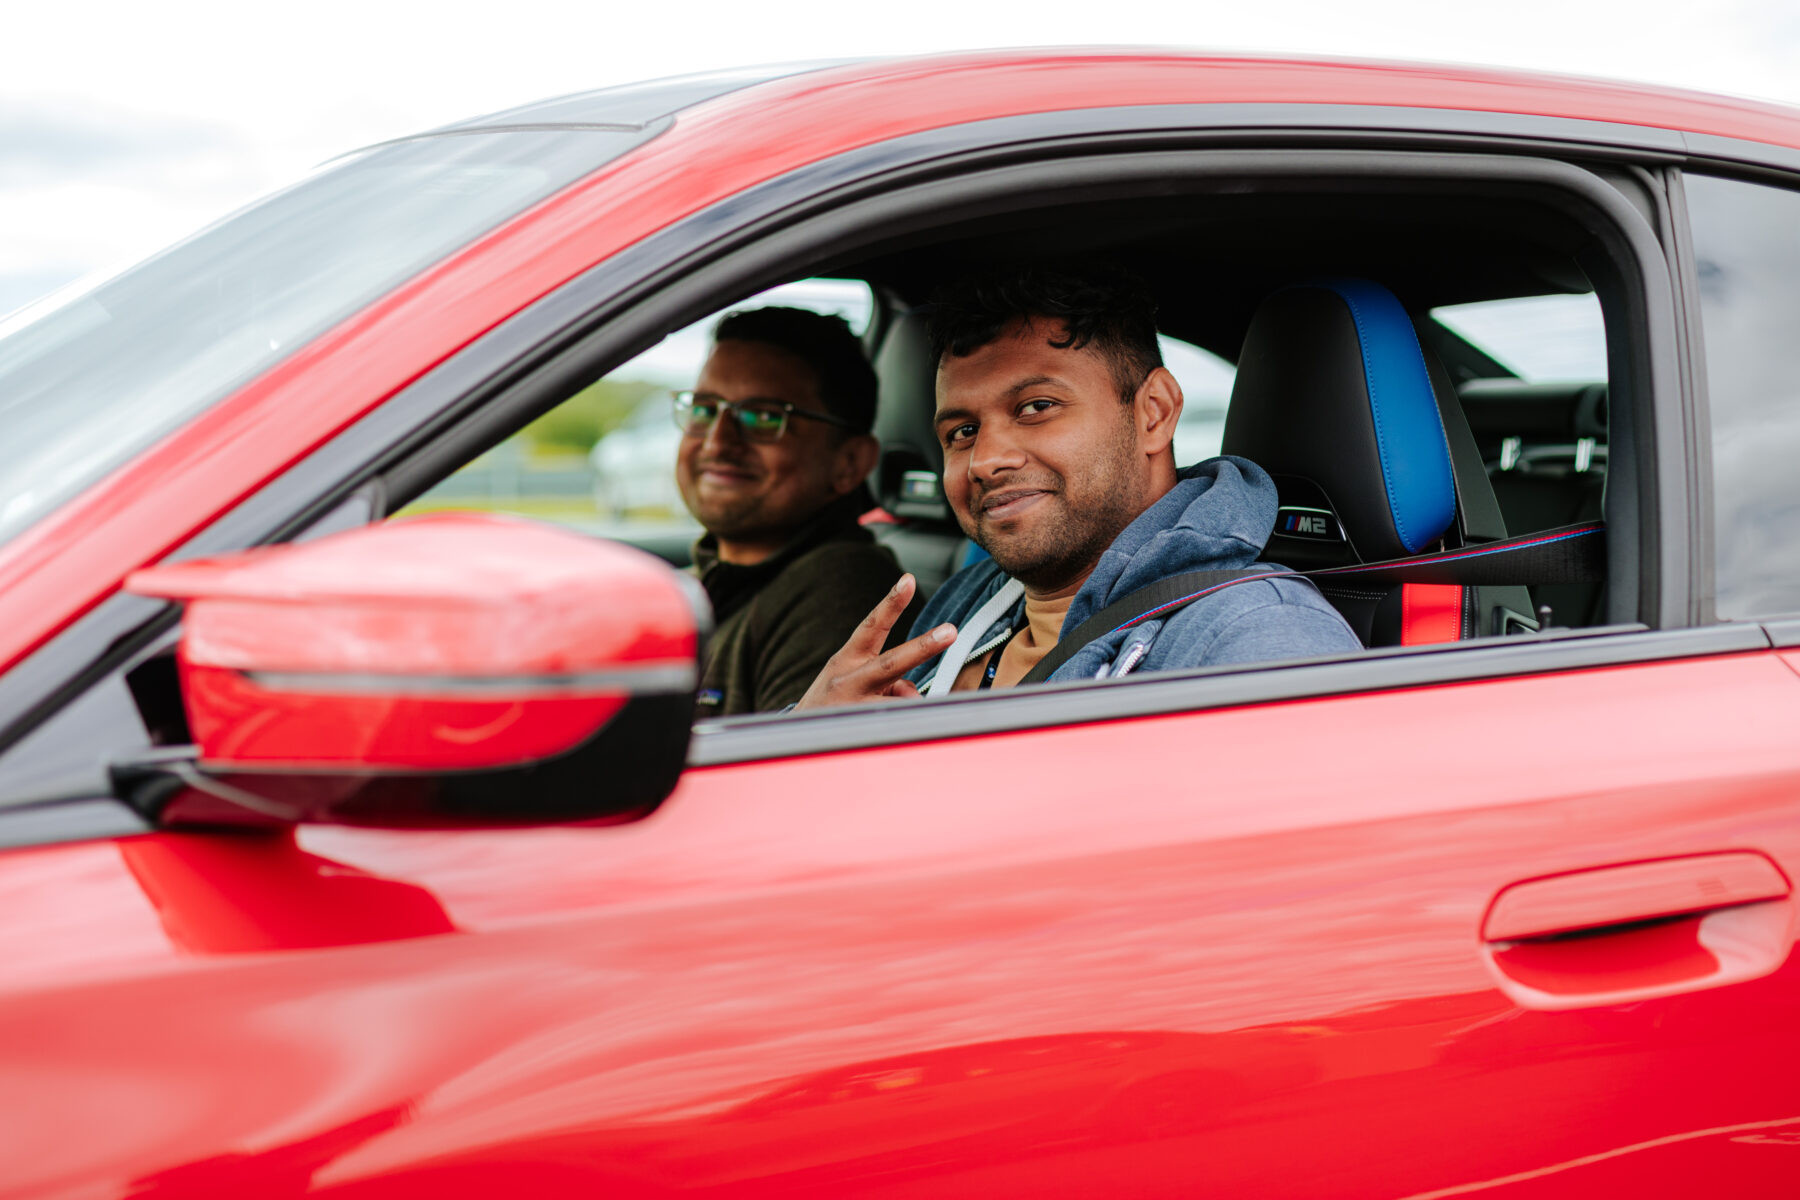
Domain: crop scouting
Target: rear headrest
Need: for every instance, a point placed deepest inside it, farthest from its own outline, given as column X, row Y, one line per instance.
column 909, row 479
column 1537, row 412
column 1334, row 399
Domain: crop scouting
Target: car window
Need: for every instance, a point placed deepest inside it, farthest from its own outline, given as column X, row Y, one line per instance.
column 630, row 452
column 603, row 461
column 1542, row 428
column 1747, row 257
column 1540, row 339
column 1205, row 380
column 88, row 378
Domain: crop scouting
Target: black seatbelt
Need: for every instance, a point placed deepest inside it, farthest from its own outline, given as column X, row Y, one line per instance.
column 1571, row 554
column 1165, row 595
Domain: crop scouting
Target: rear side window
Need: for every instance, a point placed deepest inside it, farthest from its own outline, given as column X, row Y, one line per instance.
column 1747, row 256
column 1540, row 339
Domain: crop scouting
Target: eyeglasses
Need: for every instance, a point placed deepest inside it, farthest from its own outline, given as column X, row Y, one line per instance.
column 757, row 420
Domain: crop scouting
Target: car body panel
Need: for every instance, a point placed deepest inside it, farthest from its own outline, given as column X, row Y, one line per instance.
column 929, row 969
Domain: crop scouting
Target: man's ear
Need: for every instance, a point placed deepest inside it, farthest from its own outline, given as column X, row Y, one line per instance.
column 854, row 459
column 1157, row 409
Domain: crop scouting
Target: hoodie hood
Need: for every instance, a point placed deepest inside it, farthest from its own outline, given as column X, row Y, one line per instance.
column 1216, row 518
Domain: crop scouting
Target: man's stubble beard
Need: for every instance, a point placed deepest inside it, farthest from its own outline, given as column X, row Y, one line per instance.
column 742, row 519
column 1064, row 549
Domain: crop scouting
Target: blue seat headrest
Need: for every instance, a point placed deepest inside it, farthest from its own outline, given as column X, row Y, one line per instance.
column 1334, row 399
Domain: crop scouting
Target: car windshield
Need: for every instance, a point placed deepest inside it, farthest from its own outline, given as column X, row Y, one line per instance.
column 90, row 378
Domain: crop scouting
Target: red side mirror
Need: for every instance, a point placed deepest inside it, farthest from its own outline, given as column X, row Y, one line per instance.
column 453, row 669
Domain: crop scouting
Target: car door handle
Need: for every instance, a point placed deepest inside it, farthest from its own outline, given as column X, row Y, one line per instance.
column 1630, row 932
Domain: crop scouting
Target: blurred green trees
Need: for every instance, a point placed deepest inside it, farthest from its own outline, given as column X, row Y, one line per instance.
column 573, row 426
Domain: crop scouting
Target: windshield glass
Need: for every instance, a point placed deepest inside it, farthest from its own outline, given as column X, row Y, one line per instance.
column 89, row 379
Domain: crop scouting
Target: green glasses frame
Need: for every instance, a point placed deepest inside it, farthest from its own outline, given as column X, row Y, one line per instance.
column 758, row 420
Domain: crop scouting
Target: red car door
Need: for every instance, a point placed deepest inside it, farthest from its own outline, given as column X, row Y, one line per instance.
column 1235, row 950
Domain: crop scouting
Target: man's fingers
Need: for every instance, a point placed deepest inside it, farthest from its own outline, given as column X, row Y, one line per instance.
column 907, row 655
column 870, row 636
column 860, row 671
column 879, row 677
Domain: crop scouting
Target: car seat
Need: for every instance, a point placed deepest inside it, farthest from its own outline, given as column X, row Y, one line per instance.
column 1371, row 456
column 922, row 534
column 1544, row 446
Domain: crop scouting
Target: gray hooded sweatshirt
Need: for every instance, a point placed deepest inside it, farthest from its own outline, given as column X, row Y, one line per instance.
column 1216, row 518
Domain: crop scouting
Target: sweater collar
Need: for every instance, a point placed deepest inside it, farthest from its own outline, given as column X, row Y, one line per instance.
column 730, row 585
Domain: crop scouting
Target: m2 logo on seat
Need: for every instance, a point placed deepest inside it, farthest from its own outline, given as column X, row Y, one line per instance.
column 1314, row 524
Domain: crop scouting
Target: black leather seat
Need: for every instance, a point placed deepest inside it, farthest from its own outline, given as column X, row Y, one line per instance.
column 923, row 536
column 1372, row 457
column 1545, row 450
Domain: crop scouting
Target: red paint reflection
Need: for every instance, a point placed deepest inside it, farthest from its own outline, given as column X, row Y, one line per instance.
column 285, row 1171
column 230, row 893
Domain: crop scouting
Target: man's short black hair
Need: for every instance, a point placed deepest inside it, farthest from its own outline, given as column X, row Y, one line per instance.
column 845, row 378
column 1098, row 302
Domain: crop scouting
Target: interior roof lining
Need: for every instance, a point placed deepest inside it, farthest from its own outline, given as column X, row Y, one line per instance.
column 1211, row 257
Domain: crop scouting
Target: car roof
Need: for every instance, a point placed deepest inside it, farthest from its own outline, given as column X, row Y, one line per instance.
column 1445, row 254
column 1216, row 77
column 1231, row 78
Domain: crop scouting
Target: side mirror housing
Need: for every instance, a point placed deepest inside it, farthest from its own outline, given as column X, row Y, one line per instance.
column 445, row 671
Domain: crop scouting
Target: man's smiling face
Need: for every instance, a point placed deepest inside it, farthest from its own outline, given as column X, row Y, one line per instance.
column 753, row 496
column 1042, row 459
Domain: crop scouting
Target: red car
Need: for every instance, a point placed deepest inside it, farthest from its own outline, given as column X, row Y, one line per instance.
column 362, row 858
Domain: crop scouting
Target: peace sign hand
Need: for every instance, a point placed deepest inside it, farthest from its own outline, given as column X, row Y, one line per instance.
column 862, row 671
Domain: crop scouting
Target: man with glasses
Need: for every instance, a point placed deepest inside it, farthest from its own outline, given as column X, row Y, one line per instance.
column 775, row 447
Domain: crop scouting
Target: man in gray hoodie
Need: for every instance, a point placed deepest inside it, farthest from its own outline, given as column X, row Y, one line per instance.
column 1057, row 421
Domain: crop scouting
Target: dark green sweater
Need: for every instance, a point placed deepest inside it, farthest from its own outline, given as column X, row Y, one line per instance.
column 778, row 621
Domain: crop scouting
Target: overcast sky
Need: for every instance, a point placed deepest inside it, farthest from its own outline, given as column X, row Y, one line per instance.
column 125, row 126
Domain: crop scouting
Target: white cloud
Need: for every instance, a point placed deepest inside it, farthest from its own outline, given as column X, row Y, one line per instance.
column 175, row 113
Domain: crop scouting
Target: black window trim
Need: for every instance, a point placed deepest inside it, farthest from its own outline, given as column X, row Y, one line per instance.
column 1704, row 605
column 625, row 302
column 771, row 737
column 1173, row 693
column 1661, row 187
column 1763, row 162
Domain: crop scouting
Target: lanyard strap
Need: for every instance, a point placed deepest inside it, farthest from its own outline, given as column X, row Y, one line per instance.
column 993, row 662
column 969, row 637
